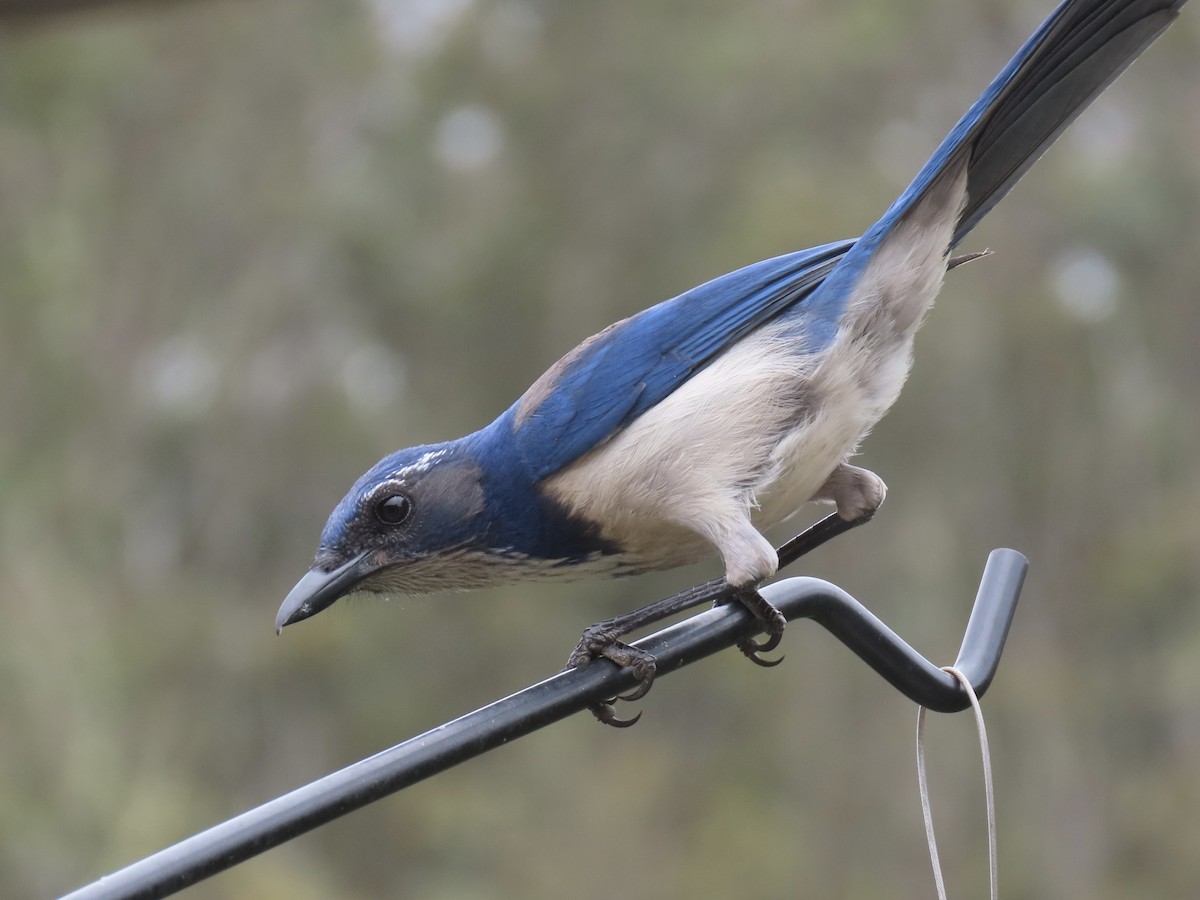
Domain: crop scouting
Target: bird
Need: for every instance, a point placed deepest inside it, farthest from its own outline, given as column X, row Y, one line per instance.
column 685, row 430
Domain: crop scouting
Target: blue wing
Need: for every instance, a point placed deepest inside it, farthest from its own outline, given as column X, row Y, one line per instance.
column 615, row 376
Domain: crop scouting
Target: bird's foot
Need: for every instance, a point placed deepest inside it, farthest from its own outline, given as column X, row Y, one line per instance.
column 773, row 623
column 600, row 642
column 858, row 493
column 603, row 640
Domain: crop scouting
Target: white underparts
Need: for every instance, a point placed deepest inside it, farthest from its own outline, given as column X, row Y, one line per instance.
column 748, row 440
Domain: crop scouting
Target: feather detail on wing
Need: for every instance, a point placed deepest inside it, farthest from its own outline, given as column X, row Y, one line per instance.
column 616, row 375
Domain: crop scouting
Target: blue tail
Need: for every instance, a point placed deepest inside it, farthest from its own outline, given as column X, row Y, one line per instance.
column 1069, row 60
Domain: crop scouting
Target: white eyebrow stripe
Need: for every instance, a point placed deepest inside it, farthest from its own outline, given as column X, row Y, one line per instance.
column 423, row 464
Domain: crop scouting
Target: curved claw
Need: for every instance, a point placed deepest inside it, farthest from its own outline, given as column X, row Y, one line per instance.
column 772, row 620
column 641, row 662
column 638, row 692
column 601, row 643
column 606, row 714
column 750, row 645
column 751, row 649
column 753, row 656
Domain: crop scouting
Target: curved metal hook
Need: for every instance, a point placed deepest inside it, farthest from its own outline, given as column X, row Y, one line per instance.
column 885, row 652
column 572, row 691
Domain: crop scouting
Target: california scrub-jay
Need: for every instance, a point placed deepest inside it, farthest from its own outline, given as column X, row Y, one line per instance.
column 692, row 425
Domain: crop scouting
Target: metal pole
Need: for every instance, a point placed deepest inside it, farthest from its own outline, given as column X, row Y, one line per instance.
column 569, row 692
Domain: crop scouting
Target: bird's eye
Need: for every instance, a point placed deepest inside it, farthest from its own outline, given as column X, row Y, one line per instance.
column 393, row 509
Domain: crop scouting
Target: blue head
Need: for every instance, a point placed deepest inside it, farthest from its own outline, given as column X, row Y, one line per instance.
column 451, row 516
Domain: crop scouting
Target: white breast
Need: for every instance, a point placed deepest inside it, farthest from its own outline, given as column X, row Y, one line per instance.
column 757, row 432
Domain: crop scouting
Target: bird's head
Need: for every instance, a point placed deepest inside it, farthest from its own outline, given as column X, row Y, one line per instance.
column 399, row 529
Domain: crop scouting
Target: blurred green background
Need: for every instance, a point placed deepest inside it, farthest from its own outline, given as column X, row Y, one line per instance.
column 247, row 248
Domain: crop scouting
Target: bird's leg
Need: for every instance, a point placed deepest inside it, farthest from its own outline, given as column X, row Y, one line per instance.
column 857, row 493
column 602, row 640
column 809, row 539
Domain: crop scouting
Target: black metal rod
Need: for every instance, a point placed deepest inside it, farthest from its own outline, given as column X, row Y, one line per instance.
column 569, row 692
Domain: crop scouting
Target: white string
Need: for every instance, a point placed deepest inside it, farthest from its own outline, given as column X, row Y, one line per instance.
column 923, row 784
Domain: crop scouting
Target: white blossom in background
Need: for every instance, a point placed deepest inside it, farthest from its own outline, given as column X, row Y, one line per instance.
column 468, row 138
column 417, row 28
column 1086, row 284
column 177, row 376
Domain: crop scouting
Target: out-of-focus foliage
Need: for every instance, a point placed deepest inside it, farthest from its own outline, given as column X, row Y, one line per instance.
column 248, row 248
